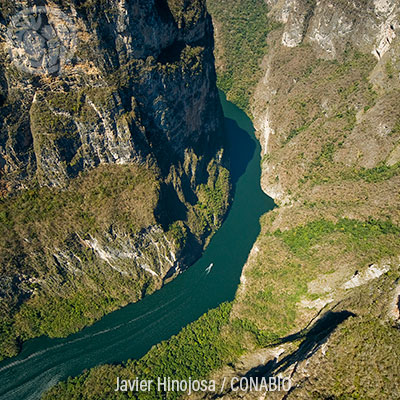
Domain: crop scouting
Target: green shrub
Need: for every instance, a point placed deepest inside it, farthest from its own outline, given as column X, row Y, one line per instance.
column 379, row 173
column 244, row 26
column 358, row 233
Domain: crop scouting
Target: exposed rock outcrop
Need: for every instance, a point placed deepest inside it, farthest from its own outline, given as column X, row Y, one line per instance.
column 326, row 114
column 317, row 33
column 113, row 84
column 133, row 89
column 329, row 25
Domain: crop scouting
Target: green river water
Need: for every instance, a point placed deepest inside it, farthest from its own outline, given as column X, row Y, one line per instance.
column 130, row 332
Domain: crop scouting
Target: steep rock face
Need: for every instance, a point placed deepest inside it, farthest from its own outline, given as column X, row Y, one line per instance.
column 133, row 88
column 326, row 113
column 368, row 25
column 110, row 143
column 314, row 38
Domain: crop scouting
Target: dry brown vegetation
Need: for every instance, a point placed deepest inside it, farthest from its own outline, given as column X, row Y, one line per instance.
column 333, row 161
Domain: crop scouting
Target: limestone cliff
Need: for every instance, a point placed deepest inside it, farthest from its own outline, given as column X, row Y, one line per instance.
column 131, row 90
column 325, row 268
column 110, row 148
column 315, row 36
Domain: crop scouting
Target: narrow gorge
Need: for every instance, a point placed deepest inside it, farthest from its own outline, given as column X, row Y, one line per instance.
column 147, row 168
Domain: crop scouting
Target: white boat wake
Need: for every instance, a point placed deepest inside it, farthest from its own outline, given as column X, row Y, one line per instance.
column 208, row 269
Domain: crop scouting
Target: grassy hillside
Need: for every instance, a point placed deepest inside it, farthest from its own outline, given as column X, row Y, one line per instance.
column 38, row 224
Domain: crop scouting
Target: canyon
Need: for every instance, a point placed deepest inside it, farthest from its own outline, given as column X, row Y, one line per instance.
column 318, row 299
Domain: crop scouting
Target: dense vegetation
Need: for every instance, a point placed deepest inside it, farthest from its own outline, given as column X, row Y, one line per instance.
column 93, row 202
column 241, row 42
column 277, row 280
column 379, row 173
column 213, row 202
column 359, row 234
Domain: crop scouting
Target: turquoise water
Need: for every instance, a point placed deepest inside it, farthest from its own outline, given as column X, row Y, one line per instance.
column 133, row 330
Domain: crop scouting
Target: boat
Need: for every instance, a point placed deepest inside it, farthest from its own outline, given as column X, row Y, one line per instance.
column 208, row 269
